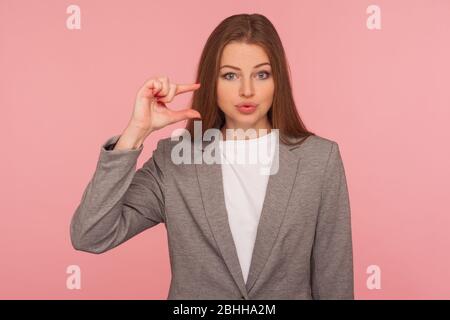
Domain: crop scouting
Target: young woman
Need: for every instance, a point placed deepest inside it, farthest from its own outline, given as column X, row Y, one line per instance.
column 233, row 232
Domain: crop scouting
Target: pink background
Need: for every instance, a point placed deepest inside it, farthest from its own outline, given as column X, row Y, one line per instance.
column 383, row 95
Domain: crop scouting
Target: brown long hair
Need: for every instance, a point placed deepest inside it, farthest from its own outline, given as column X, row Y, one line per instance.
column 250, row 29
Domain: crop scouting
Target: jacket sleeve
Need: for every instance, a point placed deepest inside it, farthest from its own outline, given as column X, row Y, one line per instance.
column 332, row 256
column 119, row 202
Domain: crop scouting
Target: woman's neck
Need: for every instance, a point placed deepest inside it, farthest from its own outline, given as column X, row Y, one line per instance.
column 244, row 134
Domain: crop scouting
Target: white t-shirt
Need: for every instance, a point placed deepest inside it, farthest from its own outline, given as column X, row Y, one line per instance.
column 245, row 177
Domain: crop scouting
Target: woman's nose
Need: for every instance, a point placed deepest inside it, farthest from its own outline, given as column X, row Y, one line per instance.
column 246, row 88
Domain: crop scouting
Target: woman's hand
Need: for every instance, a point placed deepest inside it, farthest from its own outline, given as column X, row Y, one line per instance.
column 150, row 111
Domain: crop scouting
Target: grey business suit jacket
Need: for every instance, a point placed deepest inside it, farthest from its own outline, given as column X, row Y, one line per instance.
column 303, row 247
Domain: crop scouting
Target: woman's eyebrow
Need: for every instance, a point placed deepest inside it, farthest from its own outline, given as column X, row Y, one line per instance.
column 233, row 67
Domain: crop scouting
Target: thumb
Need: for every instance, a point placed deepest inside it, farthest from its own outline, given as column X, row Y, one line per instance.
column 191, row 113
column 184, row 114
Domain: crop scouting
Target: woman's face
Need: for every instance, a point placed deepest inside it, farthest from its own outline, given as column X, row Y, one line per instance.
column 245, row 76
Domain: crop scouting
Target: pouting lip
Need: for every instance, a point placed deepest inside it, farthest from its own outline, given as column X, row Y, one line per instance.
column 246, row 104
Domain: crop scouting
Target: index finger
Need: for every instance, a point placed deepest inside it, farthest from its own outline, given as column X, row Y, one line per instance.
column 181, row 88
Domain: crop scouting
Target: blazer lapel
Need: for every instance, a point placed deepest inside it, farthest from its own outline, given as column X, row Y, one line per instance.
column 275, row 203
column 274, row 207
column 212, row 193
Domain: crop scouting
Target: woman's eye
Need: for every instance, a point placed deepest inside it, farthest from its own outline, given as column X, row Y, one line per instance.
column 225, row 76
column 264, row 72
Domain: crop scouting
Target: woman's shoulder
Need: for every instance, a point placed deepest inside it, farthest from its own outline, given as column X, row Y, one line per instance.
column 313, row 142
column 315, row 148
